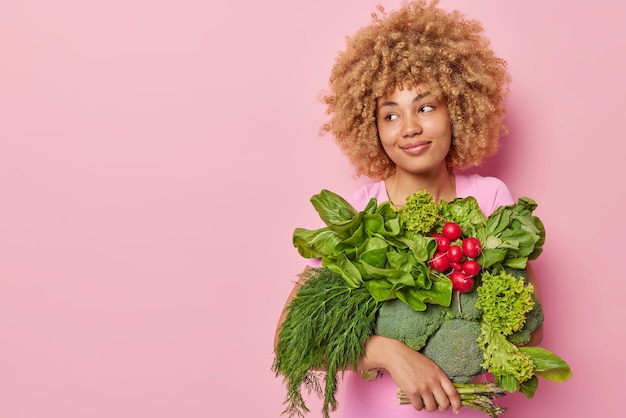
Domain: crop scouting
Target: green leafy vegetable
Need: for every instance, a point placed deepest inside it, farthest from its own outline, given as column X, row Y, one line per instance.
column 326, row 327
column 514, row 235
column 467, row 214
column 387, row 250
column 378, row 257
column 547, row 364
column 420, row 213
column 373, row 248
column 506, row 301
column 507, row 364
column 332, row 208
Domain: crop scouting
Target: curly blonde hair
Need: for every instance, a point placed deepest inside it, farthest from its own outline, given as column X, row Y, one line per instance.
column 418, row 43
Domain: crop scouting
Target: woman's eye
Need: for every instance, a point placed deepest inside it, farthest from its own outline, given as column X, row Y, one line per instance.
column 391, row 117
column 427, row 108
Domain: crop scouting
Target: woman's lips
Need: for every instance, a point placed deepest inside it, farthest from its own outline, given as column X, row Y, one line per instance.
column 415, row 148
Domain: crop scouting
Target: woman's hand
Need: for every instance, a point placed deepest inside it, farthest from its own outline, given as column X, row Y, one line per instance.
column 425, row 384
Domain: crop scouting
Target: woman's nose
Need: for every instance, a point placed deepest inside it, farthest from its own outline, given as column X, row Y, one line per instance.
column 411, row 127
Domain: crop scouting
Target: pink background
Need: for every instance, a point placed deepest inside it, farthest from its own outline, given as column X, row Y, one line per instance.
column 157, row 155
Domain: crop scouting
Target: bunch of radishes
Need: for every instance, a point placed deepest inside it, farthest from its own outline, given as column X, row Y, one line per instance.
column 456, row 256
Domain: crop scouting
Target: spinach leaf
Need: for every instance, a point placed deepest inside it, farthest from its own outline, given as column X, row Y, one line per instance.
column 332, row 208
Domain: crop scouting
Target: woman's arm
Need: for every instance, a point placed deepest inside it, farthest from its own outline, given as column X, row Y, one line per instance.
column 425, row 384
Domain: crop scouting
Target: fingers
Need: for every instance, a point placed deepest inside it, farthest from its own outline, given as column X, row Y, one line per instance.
column 442, row 401
column 420, row 398
column 452, row 396
column 430, row 402
column 417, row 403
column 437, row 400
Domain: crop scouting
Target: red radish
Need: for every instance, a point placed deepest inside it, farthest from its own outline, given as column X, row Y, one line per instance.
column 456, row 266
column 451, row 230
column 461, row 282
column 455, row 254
column 471, row 247
column 440, row 262
column 471, row 267
column 443, row 244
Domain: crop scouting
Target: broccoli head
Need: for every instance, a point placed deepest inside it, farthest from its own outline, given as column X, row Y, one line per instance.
column 446, row 335
column 398, row 320
column 455, row 349
column 452, row 336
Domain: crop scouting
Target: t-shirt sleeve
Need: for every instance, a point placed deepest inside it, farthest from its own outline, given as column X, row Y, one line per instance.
column 500, row 192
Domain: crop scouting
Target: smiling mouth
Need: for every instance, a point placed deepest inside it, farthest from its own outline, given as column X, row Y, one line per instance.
column 414, row 144
column 415, row 147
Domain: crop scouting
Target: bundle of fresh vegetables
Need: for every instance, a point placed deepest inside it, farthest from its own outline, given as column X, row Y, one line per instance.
column 394, row 272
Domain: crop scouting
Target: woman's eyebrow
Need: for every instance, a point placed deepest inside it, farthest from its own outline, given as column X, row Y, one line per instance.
column 420, row 96
column 417, row 98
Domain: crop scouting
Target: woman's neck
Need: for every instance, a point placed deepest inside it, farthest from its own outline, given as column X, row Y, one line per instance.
column 402, row 184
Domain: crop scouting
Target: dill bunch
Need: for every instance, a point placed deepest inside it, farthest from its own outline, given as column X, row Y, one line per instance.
column 325, row 330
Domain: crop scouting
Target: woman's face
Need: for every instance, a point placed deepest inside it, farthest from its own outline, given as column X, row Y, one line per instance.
column 414, row 129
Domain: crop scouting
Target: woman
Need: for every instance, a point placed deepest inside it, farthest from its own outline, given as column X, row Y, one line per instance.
column 417, row 96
